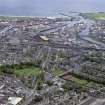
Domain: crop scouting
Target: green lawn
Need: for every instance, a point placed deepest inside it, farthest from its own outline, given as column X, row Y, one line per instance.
column 28, row 71
column 97, row 16
column 80, row 82
column 58, row 72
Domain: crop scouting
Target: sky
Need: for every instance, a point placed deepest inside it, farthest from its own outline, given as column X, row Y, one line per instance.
column 41, row 7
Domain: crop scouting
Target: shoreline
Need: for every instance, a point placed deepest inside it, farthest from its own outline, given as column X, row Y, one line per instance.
column 56, row 16
column 49, row 16
column 13, row 16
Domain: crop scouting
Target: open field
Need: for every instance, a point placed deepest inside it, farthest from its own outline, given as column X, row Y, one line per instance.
column 21, row 70
column 29, row 71
column 58, row 72
column 96, row 16
column 81, row 82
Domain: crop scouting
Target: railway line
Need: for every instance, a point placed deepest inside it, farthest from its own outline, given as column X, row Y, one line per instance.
column 50, row 44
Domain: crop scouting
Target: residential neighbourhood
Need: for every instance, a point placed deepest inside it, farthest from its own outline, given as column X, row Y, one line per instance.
column 52, row 60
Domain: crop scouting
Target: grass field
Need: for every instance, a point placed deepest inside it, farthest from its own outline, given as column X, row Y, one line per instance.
column 58, row 72
column 96, row 16
column 80, row 82
column 28, row 71
column 21, row 70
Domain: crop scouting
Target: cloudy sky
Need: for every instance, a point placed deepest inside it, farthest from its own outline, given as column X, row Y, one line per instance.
column 41, row 7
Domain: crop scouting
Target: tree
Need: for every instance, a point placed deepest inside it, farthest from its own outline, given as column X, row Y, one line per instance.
column 50, row 83
column 39, row 85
